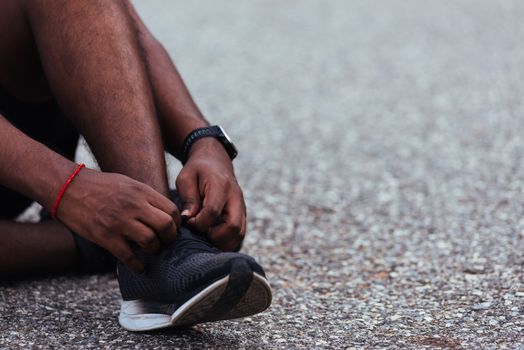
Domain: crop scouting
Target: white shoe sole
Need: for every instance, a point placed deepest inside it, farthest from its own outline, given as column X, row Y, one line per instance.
column 145, row 315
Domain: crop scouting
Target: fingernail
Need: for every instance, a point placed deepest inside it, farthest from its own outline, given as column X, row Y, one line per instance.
column 184, row 216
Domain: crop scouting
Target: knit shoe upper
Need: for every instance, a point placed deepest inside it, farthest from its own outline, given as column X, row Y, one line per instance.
column 180, row 270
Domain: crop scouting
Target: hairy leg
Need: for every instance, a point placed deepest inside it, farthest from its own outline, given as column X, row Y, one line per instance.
column 92, row 60
column 93, row 64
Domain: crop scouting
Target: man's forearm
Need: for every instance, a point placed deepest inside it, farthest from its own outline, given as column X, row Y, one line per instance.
column 179, row 114
column 29, row 167
column 207, row 184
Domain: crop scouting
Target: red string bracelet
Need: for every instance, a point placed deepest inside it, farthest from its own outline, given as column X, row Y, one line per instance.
column 64, row 188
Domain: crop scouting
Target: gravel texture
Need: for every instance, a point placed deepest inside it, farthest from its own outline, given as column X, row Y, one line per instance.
column 381, row 155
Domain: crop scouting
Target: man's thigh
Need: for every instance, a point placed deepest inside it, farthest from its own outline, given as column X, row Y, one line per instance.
column 21, row 71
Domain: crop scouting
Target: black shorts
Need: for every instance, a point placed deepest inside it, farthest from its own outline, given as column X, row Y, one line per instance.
column 43, row 122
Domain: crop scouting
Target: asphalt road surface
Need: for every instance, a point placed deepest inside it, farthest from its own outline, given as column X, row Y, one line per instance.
column 381, row 155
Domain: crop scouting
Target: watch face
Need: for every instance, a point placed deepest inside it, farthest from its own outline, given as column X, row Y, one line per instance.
column 224, row 133
column 228, row 144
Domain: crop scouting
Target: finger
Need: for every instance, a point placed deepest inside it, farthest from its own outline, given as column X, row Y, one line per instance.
column 163, row 203
column 243, row 232
column 229, row 235
column 144, row 236
column 160, row 222
column 122, row 251
column 187, row 187
column 214, row 202
column 224, row 238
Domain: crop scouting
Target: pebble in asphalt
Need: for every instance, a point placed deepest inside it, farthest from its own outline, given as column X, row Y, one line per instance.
column 381, row 155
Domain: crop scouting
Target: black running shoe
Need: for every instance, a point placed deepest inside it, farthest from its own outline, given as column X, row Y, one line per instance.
column 191, row 282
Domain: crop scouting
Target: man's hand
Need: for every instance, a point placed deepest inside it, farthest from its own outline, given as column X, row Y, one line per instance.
column 207, row 183
column 211, row 197
column 112, row 209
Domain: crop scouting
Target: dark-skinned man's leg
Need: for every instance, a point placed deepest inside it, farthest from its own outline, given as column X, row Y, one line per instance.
column 102, row 83
column 93, row 62
column 164, row 95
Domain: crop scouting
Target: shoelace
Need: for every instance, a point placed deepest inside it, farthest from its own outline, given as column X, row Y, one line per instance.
column 187, row 243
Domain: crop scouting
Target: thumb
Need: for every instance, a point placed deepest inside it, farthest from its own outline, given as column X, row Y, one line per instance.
column 187, row 188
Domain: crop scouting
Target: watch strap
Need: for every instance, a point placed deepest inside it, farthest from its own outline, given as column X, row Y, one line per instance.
column 209, row 131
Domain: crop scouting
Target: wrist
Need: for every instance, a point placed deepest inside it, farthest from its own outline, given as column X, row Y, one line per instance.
column 64, row 189
column 50, row 181
column 208, row 146
column 215, row 132
column 176, row 133
column 29, row 167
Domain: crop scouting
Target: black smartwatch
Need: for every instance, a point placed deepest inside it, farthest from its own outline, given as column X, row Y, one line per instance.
column 215, row 131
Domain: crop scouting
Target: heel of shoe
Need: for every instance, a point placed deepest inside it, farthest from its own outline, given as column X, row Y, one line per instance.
column 140, row 315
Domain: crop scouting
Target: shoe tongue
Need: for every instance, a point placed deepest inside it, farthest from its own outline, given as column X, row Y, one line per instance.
column 191, row 241
column 184, row 233
column 185, row 244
